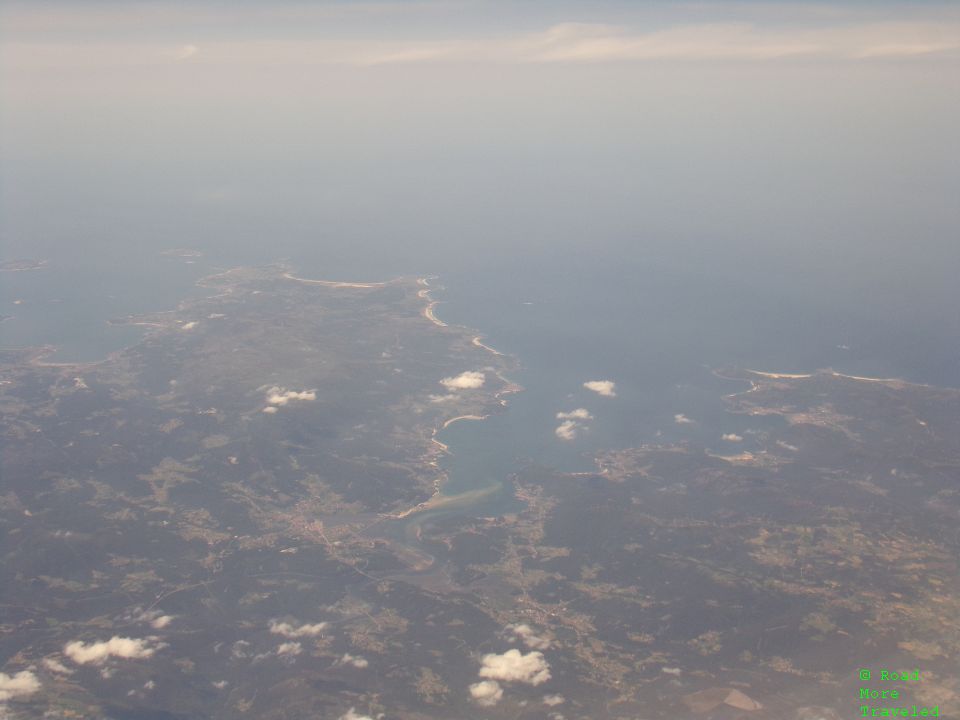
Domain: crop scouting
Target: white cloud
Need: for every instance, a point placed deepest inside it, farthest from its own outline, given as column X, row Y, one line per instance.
column 732, row 437
column 189, row 326
column 514, row 666
column 587, row 42
column 444, row 398
column 552, row 700
column 186, row 51
column 352, row 714
column 578, row 414
column 486, row 692
column 529, row 638
column 895, row 49
column 573, row 423
column 469, row 380
column 573, row 42
column 280, row 396
column 291, row 649
column 270, row 409
column 354, row 660
column 119, row 647
column 607, row 388
column 850, row 37
column 681, row 419
column 156, row 618
column 292, row 631
column 56, row 666
column 567, row 430
column 18, row 685
column 240, row 650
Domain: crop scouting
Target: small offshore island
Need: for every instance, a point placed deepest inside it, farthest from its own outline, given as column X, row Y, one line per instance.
column 242, row 515
column 22, row 265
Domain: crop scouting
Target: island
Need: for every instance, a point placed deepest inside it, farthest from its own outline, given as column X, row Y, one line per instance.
column 22, row 265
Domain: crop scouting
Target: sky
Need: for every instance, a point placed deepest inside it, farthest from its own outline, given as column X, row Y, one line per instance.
column 811, row 140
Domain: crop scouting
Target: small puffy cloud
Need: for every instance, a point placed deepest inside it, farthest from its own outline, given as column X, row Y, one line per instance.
column 449, row 397
column 119, row 647
column 292, row 631
column 186, row 51
column 552, row 700
column 573, row 423
column 469, row 380
column 529, row 638
column 607, row 388
column 514, row 666
column 280, row 396
column 352, row 714
column 578, row 414
column 54, row 665
column 567, row 430
column 189, row 326
column 156, row 618
column 240, row 650
column 732, row 437
column 681, row 419
column 18, row 685
column 290, row 649
column 353, row 660
column 486, row 692
column 270, row 409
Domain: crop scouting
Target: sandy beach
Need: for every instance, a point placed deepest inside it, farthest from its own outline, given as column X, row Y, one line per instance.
column 793, row 376
column 451, row 421
column 431, row 303
column 889, row 381
column 336, row 284
column 479, row 343
column 779, row 376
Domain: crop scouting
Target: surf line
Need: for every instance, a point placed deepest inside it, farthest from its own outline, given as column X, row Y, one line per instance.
column 424, row 294
column 335, row 283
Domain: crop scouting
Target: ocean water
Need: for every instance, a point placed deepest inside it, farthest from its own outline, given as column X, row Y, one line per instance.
column 655, row 327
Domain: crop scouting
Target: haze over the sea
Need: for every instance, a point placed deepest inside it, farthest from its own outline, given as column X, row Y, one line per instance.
column 671, row 184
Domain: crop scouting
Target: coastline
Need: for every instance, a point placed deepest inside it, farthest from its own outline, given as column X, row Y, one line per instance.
column 478, row 342
column 438, row 448
column 338, row 283
column 833, row 373
column 431, row 303
column 451, row 421
column 153, row 325
column 232, row 282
